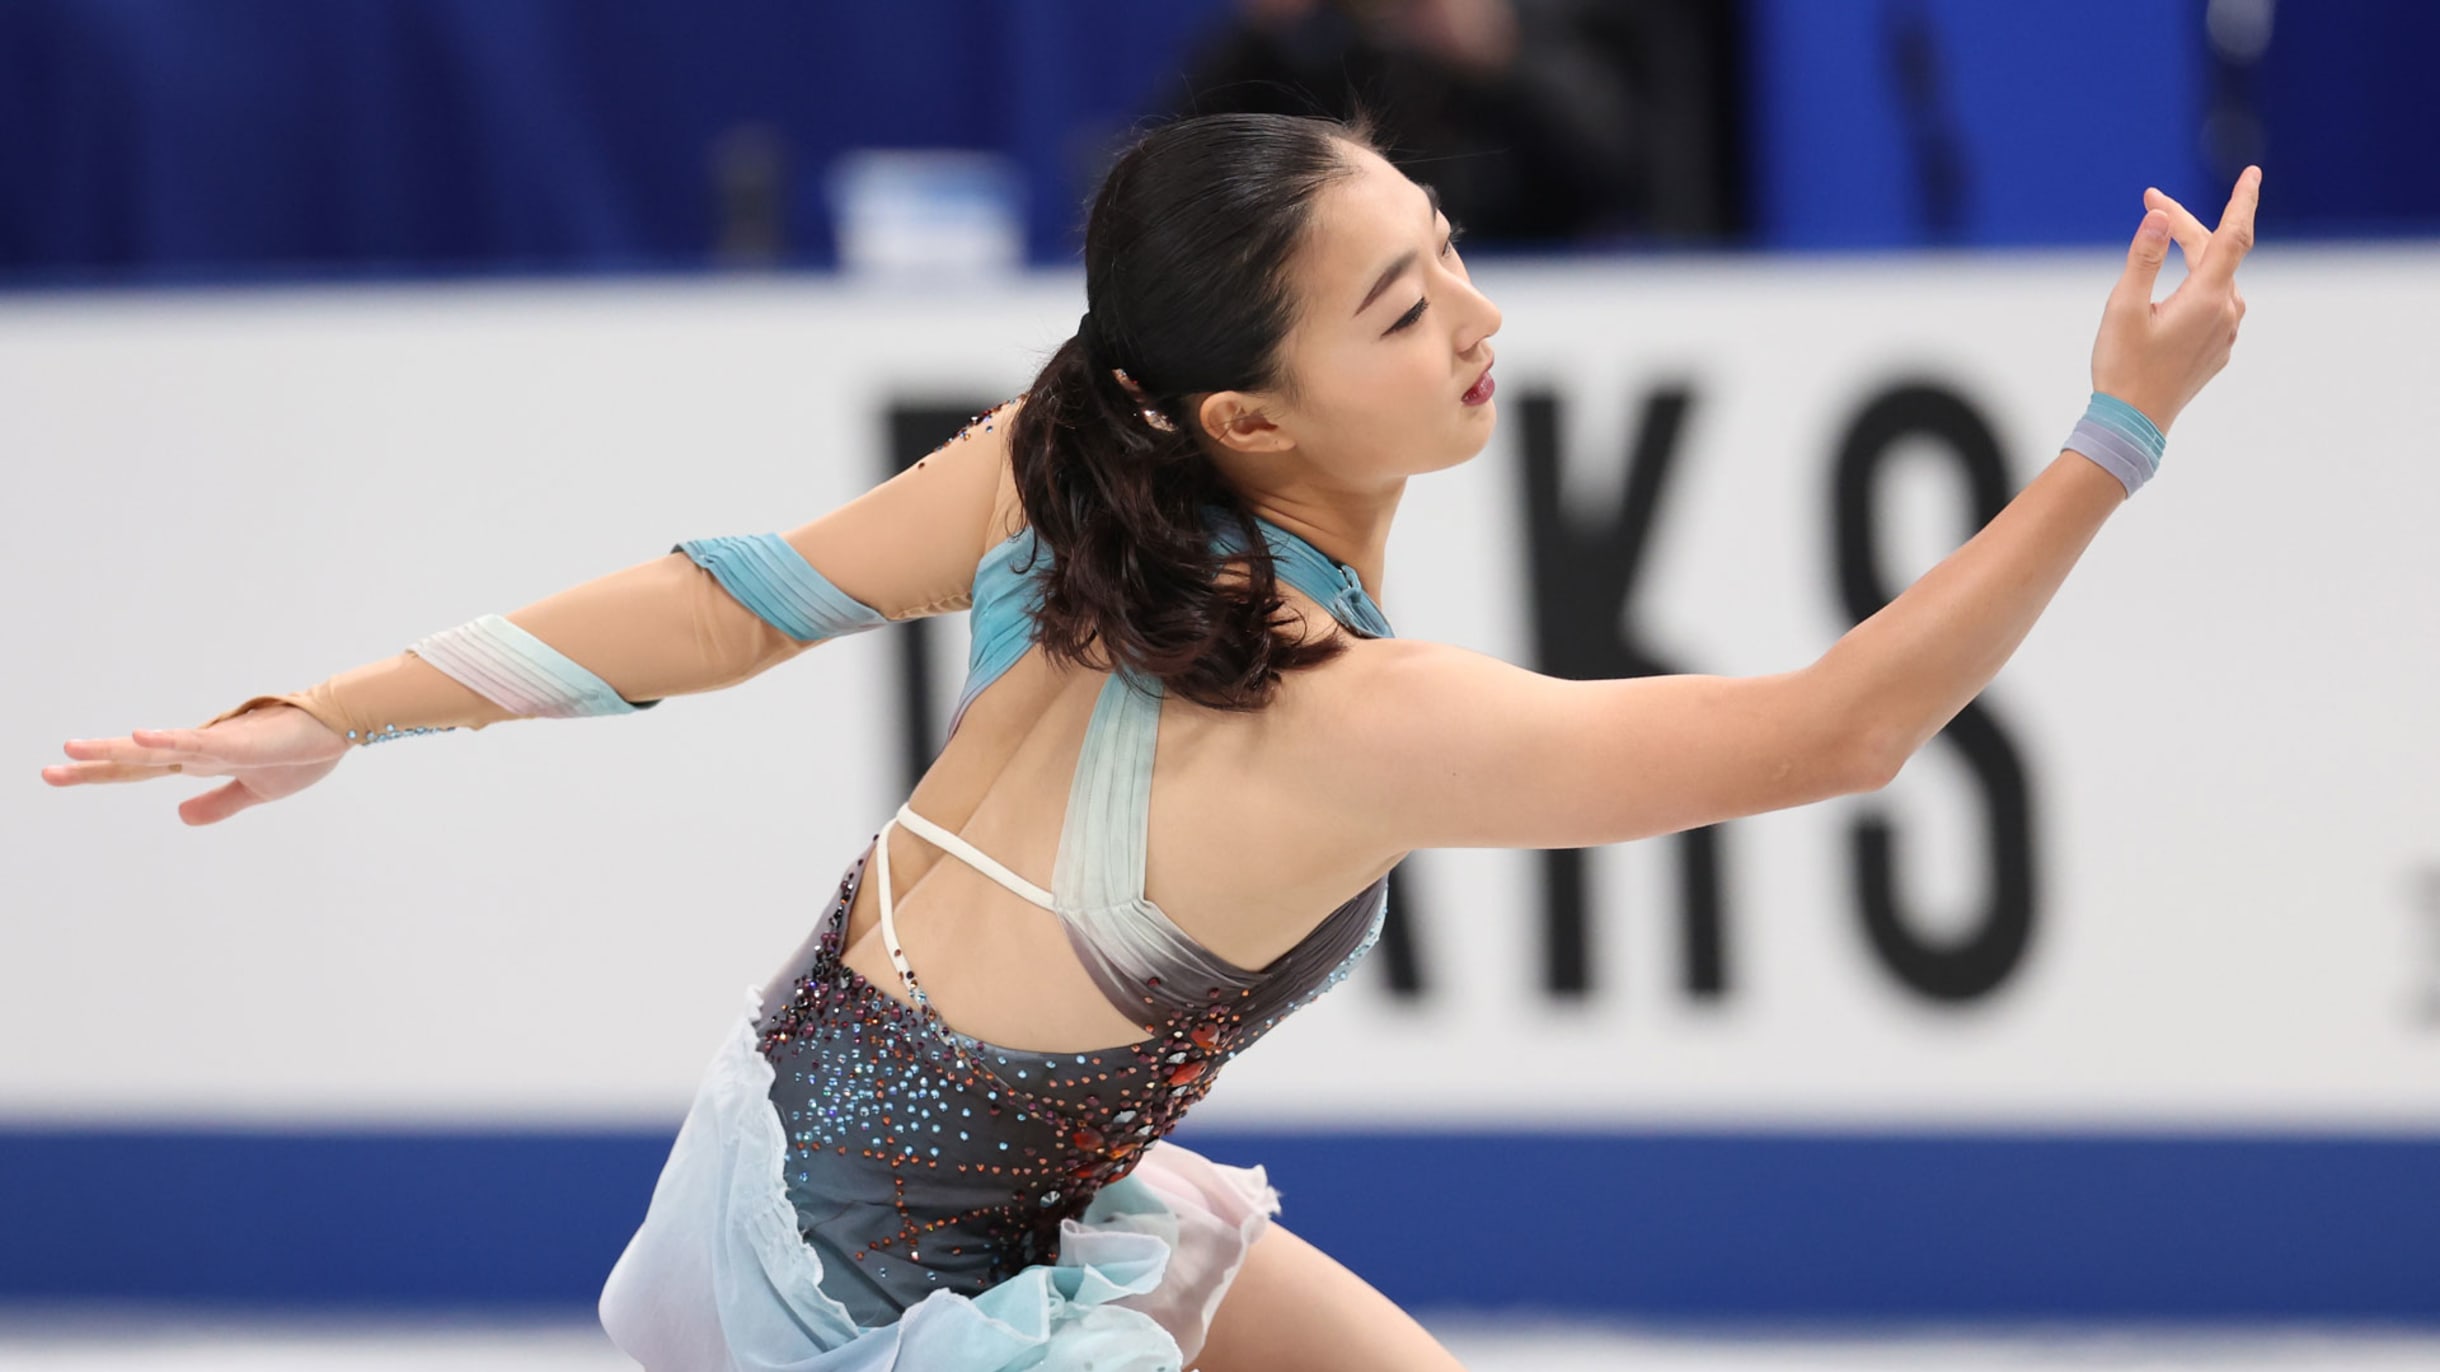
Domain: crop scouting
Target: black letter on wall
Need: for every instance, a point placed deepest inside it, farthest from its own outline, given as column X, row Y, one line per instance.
column 1984, row 960
column 1583, row 584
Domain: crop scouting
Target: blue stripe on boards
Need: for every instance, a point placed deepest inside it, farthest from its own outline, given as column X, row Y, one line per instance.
column 322, row 1218
column 1726, row 1226
column 1877, row 1226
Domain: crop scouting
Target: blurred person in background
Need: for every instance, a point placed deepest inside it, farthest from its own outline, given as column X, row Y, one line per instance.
column 1543, row 122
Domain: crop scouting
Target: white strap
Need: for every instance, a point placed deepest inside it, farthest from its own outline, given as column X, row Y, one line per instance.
column 948, row 842
column 972, row 856
column 889, row 921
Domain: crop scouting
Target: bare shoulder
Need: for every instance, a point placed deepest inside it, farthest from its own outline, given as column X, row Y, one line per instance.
column 1414, row 744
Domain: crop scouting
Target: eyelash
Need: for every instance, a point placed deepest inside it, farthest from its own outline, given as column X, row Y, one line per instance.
column 1456, row 231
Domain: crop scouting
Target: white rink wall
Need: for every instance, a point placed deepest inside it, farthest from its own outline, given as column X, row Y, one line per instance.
column 2225, row 720
column 2163, row 913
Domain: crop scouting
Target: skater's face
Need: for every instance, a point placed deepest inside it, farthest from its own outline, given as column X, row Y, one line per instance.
column 1389, row 336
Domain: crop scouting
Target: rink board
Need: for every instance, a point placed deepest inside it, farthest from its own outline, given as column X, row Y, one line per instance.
column 2124, row 998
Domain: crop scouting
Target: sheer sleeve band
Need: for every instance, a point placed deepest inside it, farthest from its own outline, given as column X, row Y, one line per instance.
column 706, row 615
column 619, row 643
column 401, row 689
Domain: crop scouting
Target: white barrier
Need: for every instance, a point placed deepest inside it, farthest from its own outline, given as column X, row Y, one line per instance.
column 2218, row 754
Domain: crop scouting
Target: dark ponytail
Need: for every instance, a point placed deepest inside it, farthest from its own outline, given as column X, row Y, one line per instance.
column 1187, row 250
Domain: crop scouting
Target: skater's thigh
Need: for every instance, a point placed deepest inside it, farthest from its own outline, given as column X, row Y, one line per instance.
column 1293, row 1307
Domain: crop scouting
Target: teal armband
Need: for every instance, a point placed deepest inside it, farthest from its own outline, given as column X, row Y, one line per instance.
column 766, row 574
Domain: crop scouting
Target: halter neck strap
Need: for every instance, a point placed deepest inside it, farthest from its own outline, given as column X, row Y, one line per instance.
column 1332, row 583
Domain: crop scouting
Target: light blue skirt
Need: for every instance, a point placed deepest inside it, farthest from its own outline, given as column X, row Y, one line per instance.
column 717, row 1278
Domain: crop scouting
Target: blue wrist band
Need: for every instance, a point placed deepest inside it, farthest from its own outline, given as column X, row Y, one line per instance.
column 2119, row 439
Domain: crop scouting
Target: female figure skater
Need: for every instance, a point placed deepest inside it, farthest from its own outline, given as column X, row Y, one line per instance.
column 1186, row 758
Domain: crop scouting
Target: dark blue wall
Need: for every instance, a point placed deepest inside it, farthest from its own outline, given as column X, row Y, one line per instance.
column 1897, row 123
column 2351, row 118
column 155, row 138
column 1891, row 123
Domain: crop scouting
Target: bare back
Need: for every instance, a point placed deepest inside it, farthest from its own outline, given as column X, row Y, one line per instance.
column 1239, row 855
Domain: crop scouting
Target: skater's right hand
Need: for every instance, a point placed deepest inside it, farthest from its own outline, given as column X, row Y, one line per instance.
column 2155, row 355
column 267, row 752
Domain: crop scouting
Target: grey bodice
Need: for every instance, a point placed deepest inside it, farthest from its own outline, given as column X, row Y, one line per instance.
column 923, row 1159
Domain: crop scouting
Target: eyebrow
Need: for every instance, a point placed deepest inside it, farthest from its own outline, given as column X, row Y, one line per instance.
column 1405, row 259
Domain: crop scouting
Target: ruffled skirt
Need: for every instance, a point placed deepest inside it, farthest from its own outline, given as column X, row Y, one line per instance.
column 717, row 1278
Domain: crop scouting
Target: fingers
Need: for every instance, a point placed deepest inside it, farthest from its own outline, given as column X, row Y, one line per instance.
column 2235, row 236
column 217, row 804
column 124, row 759
column 2192, row 238
column 2144, row 256
column 143, row 746
column 170, row 740
column 90, row 773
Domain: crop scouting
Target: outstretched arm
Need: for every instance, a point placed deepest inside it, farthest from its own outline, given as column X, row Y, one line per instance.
column 1444, row 748
column 710, row 613
column 1470, row 751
